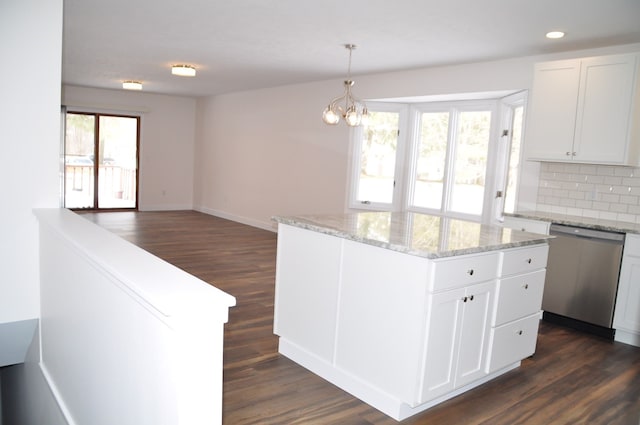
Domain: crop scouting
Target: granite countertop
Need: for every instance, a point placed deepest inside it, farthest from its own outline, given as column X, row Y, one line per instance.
column 416, row 234
column 586, row 222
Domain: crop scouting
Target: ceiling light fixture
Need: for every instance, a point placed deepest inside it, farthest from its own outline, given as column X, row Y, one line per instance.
column 132, row 85
column 183, row 70
column 354, row 110
column 555, row 34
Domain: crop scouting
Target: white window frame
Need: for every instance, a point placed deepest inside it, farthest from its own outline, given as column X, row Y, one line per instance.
column 399, row 169
column 454, row 109
column 507, row 106
column 406, row 155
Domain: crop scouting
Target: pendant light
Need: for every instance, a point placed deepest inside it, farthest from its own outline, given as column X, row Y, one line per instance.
column 354, row 110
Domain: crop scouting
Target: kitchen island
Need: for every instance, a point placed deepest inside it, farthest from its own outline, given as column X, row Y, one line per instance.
column 406, row 310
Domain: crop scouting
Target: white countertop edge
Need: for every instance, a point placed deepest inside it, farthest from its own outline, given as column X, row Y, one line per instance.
column 535, row 239
column 162, row 286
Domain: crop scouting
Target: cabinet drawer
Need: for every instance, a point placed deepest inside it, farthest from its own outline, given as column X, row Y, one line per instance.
column 519, row 296
column 527, row 225
column 513, row 342
column 524, row 260
column 456, row 272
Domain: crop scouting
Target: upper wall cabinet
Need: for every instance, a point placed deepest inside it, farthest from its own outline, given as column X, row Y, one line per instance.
column 585, row 110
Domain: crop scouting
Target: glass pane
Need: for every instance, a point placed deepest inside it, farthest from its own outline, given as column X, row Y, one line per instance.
column 378, row 158
column 432, row 152
column 470, row 164
column 79, row 167
column 117, row 162
column 514, row 161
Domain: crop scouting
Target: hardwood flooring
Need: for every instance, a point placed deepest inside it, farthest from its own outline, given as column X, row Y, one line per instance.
column 573, row 378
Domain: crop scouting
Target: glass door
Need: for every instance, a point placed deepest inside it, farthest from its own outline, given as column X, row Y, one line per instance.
column 101, row 161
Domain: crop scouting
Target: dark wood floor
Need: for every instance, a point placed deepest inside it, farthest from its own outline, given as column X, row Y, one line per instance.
column 573, row 378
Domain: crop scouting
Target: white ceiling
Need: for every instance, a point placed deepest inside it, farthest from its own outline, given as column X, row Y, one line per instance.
column 248, row 44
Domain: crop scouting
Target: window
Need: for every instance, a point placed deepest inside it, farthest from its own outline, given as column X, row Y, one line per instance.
column 376, row 159
column 513, row 127
column 441, row 158
column 101, row 161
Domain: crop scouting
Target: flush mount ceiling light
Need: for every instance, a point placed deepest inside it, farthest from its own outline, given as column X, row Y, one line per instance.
column 183, row 70
column 132, row 85
column 354, row 110
column 555, row 34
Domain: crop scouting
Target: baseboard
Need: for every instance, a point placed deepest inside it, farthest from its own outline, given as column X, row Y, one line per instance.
column 57, row 397
column 373, row 396
column 270, row 226
column 627, row 337
column 165, row 207
column 579, row 325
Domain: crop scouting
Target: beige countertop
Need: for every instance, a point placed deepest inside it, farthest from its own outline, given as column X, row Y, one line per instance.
column 416, row 234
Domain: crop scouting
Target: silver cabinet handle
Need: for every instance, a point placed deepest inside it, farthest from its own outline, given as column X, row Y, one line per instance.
column 568, row 154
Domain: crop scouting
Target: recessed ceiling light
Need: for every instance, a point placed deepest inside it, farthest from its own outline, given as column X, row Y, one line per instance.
column 555, row 34
column 183, row 70
column 132, row 85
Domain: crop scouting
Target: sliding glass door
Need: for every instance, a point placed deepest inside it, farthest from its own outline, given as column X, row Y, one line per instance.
column 101, row 161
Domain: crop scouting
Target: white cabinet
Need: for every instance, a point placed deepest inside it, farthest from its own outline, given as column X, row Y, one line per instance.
column 626, row 319
column 583, row 110
column 403, row 332
column 552, row 113
column 457, row 337
column 515, row 324
column 526, row 225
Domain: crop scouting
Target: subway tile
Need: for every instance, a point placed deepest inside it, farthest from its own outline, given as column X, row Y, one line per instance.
column 567, row 202
column 628, row 218
column 625, row 171
column 618, row 208
column 590, row 213
column 588, row 169
column 587, row 205
column 574, row 211
column 606, row 170
column 576, row 195
column 600, row 206
column 605, row 215
column 629, row 200
column 613, row 180
column 609, row 197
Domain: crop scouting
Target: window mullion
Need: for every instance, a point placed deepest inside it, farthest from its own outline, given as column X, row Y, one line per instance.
column 450, row 161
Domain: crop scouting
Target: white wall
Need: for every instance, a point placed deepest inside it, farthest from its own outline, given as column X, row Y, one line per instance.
column 266, row 152
column 261, row 154
column 166, row 145
column 31, row 34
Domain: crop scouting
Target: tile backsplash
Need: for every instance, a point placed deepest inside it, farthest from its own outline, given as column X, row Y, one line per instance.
column 597, row 191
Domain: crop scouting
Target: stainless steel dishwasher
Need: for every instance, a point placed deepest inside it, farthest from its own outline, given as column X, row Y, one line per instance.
column 582, row 278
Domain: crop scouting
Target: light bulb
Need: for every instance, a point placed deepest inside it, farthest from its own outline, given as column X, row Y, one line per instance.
column 365, row 117
column 352, row 117
column 329, row 116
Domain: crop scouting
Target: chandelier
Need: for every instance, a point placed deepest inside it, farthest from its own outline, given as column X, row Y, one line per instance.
column 354, row 110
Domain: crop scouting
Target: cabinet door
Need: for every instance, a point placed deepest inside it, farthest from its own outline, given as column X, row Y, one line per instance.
column 627, row 314
column 552, row 113
column 474, row 332
column 445, row 309
column 457, row 338
column 605, row 109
